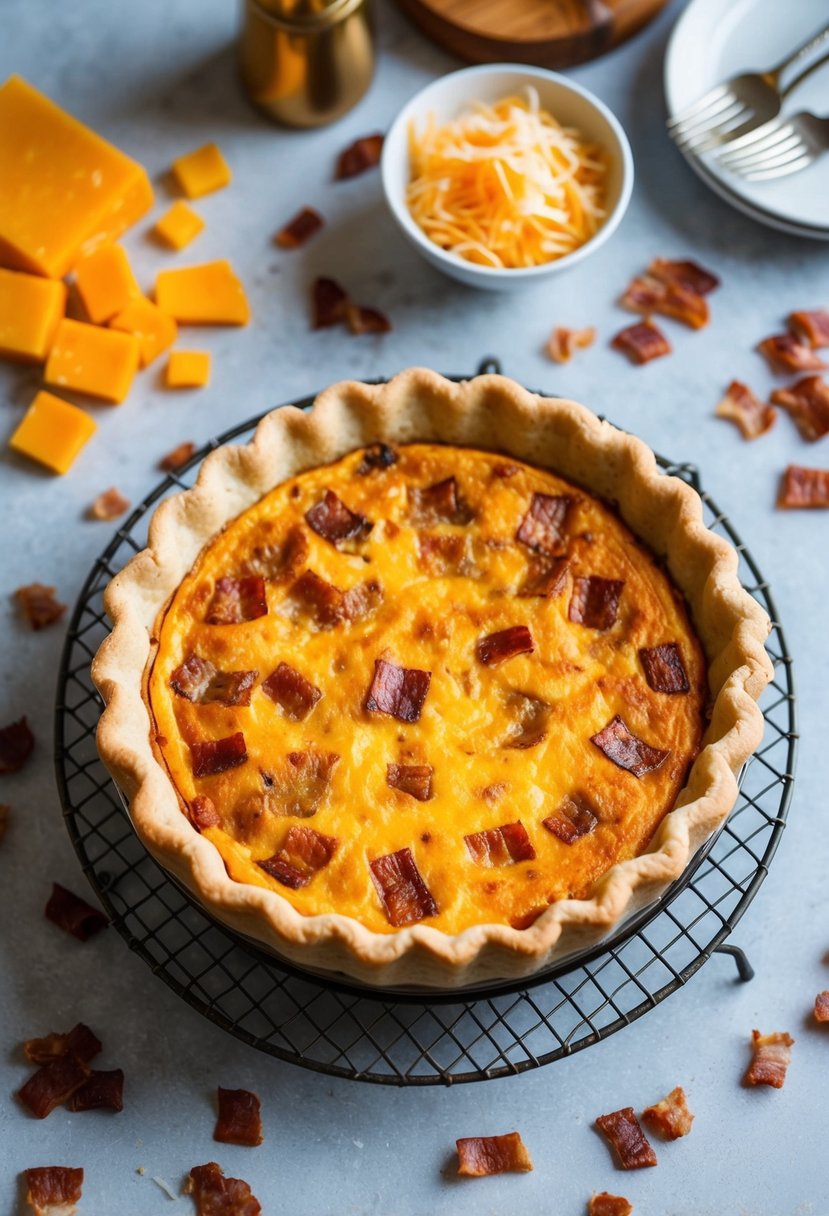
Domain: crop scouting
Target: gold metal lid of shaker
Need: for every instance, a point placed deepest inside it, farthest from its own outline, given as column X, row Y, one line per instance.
column 306, row 13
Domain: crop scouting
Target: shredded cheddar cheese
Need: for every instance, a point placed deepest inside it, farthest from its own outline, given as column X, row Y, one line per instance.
column 506, row 185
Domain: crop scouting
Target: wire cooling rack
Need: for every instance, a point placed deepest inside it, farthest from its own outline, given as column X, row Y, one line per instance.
column 344, row 1030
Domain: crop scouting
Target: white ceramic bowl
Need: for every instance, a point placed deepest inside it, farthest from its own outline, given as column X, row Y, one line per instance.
column 568, row 102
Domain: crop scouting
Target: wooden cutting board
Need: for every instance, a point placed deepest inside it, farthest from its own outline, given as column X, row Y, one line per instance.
column 549, row 33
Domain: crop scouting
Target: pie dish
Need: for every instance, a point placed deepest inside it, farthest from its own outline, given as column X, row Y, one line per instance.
column 396, row 691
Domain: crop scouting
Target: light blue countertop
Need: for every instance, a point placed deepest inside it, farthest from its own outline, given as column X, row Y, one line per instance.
column 159, row 79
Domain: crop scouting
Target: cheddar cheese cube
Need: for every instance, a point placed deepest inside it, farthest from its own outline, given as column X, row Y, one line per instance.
column 53, row 432
column 30, row 308
column 201, row 172
column 100, row 362
column 178, row 226
column 105, row 282
column 188, row 369
column 154, row 329
column 63, row 189
column 209, row 294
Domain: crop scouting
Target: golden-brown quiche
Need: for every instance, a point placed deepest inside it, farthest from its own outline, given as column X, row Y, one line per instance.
column 396, row 691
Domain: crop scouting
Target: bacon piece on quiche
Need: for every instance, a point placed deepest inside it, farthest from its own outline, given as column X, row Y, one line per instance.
column 626, row 750
column 403, row 893
column 303, row 853
column 192, row 678
column 772, row 1055
column 740, row 405
column 54, row 1190
column 73, row 914
column 295, row 695
column 16, row 745
column 321, row 599
column 103, row 1090
column 542, row 528
column 505, row 644
column 646, row 295
column 38, row 605
column 52, row 1085
column 377, row 456
column 671, row 1117
column 664, row 669
column 500, row 846
column 812, row 325
column 80, row 1042
column 108, row 505
column 573, row 818
column 306, row 781
column 528, row 720
column 239, row 1120
column 199, row 681
column 216, row 1195
column 202, row 813
column 281, row 561
column 595, row 601
column 822, row 1007
column 299, row 230
column 807, row 404
column 412, row 779
column 331, row 519
column 218, row 755
column 480, row 1156
column 177, row 457
column 642, row 343
column 237, row 599
column 605, row 1204
column 787, row 353
column 625, row 1136
column 362, row 600
column 563, row 343
column 363, row 154
column 545, row 579
column 802, row 488
column 329, row 303
column 398, row 691
column 439, row 503
column 443, row 553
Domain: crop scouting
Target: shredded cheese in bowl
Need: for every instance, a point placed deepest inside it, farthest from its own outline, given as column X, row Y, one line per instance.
column 506, row 185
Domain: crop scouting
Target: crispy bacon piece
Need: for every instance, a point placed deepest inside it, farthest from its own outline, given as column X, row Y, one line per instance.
column 202, row 813
column 38, row 605
column 16, row 744
column 237, row 599
column 364, row 320
column 177, row 457
column 295, row 695
column 529, row 717
column 218, row 755
column 329, row 303
column 505, row 644
column 215, row 1195
column 399, row 691
column 362, row 600
column 331, row 519
column 689, row 274
column 303, row 852
column 646, row 295
column 822, row 1007
column 563, row 343
column 192, row 678
column 671, row 1117
column 321, row 599
column 642, row 343
column 299, row 787
column 787, row 353
column 412, row 779
column 280, row 562
column 53, row 1084
column 664, row 669
column 545, row 579
column 198, row 680
column 573, row 818
column 542, row 528
column 103, row 1090
column 772, row 1057
column 811, row 325
column 807, row 403
column 500, row 846
column 802, row 488
column 403, row 893
column 626, row 1137
column 439, row 503
column 363, row 154
column 239, row 1120
column 743, row 407
column 443, row 553
column 376, row 456
column 80, row 1042
column 595, row 601
column 54, row 1190
column 604, row 1204
column 479, row 1156
column 108, row 505
column 73, row 914
column 305, row 224
column 626, row 750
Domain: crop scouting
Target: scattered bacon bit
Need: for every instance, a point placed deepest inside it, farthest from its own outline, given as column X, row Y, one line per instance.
column 239, row 1121
column 216, row 1195
column 363, row 154
column 52, row 1085
column 646, row 294
column 177, row 457
column 479, row 1156
column 743, row 407
column 292, row 692
column 439, row 503
column 303, row 852
column 442, row 553
column 236, row 600
column 73, row 914
column 573, row 818
column 108, row 505
column 642, row 343
column 202, row 813
column 218, row 755
column 626, row 1137
column 361, row 600
column 54, row 1190
column 671, row 1117
column 38, row 605
column 807, row 403
column 626, row 750
column 16, row 744
column 377, row 456
column 689, row 274
column 329, row 303
column 322, row 599
column 604, row 1204
column 80, row 1042
column 495, row 648
column 363, row 320
column 280, row 561
column 403, row 893
column 563, row 343
column 199, row 681
column 595, row 601
column 772, row 1056
column 412, row 779
column 811, row 325
column 399, row 691
column 528, row 720
column 305, row 224
column 545, row 578
column 542, row 528
column 331, row 519
column 664, row 669
column 786, row 353
column 500, row 846
column 822, row 1007
column 104, row 1090
column 803, row 488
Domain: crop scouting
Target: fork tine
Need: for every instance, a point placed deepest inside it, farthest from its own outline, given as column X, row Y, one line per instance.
column 757, row 140
column 780, row 139
column 704, row 102
column 706, row 120
column 738, row 120
column 770, row 157
column 792, row 166
column 777, row 161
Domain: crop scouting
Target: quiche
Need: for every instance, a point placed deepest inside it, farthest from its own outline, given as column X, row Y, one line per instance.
column 431, row 684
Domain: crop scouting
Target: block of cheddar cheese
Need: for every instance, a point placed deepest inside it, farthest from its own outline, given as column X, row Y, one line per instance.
column 53, row 432
column 179, row 225
column 188, row 369
column 154, row 329
column 30, row 309
column 99, row 362
column 63, row 189
column 201, row 172
column 105, row 282
column 209, row 294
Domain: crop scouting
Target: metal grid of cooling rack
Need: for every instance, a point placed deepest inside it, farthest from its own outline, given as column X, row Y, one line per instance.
column 342, row 1030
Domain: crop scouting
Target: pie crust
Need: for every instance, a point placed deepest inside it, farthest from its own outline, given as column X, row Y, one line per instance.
column 490, row 413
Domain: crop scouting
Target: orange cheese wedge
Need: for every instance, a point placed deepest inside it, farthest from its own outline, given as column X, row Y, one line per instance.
column 30, row 308
column 201, row 172
column 100, row 362
column 209, row 294
column 154, row 329
column 188, row 369
column 105, row 282
column 53, row 432
column 179, row 225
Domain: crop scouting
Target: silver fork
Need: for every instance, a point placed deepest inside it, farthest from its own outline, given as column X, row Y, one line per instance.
column 743, row 103
column 783, row 146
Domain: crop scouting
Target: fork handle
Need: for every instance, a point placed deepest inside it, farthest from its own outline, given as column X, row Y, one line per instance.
column 821, row 38
column 807, row 71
